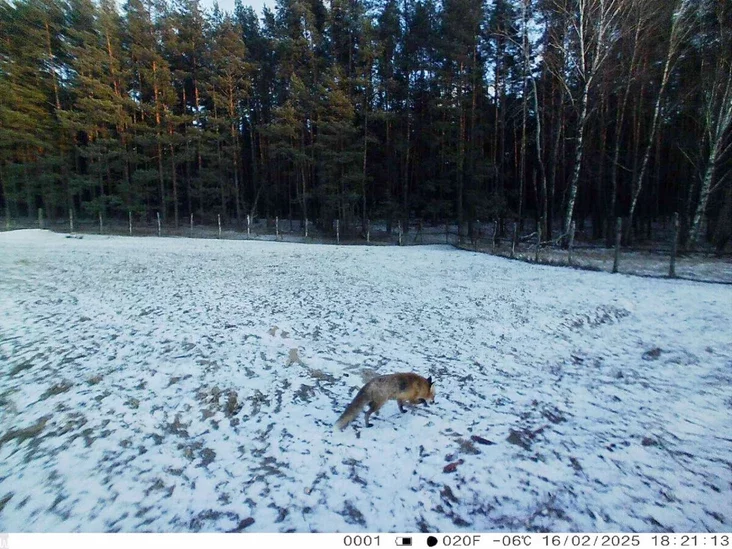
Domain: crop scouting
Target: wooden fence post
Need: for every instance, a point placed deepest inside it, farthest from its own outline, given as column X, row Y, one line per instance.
column 338, row 231
column 399, row 232
column 71, row 220
column 129, row 217
column 218, row 218
column 306, row 227
column 101, row 223
column 674, row 247
column 618, row 236
column 513, row 240
column 571, row 243
column 191, row 224
column 160, row 230
column 368, row 231
column 495, row 232
column 277, row 227
column 538, row 241
column 249, row 223
column 40, row 218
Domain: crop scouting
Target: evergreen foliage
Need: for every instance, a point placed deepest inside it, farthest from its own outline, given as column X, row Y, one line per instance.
column 454, row 110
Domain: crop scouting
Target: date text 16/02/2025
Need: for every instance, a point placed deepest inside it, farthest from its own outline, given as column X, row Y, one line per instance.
column 545, row 540
column 636, row 540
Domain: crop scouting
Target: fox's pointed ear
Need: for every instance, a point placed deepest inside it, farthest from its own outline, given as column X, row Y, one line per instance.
column 429, row 380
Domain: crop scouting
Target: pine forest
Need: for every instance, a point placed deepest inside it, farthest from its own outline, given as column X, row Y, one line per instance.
column 540, row 112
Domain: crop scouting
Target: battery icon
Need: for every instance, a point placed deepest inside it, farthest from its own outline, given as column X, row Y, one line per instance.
column 404, row 542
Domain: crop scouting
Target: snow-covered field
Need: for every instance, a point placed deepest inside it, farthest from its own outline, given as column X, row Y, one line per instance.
column 154, row 384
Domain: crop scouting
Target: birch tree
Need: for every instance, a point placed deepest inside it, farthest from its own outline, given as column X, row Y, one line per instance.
column 680, row 29
column 595, row 25
column 717, row 120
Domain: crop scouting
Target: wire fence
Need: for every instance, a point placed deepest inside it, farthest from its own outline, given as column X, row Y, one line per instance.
column 653, row 258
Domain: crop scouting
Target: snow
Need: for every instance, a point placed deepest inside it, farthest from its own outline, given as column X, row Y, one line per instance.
column 146, row 384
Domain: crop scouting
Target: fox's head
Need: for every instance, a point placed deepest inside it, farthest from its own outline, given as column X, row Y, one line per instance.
column 431, row 383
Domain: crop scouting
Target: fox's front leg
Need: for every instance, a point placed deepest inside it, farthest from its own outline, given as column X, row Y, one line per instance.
column 401, row 406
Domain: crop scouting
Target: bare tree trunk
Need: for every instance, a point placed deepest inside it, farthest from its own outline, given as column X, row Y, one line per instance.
column 599, row 214
column 235, row 159
column 158, row 139
column 199, row 174
column 678, row 32
column 577, row 168
column 6, row 198
column 461, row 153
column 174, row 180
column 405, row 182
column 253, row 151
column 719, row 123
column 365, row 154
column 219, row 164
column 542, row 205
column 189, row 198
column 235, row 151
column 618, row 237
column 558, row 144
column 723, row 227
column 473, row 121
column 304, row 199
column 524, row 102
column 47, row 196
column 615, row 167
column 674, row 247
column 596, row 22
column 52, row 71
column 497, row 120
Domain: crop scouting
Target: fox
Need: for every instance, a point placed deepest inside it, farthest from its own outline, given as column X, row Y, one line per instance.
column 403, row 387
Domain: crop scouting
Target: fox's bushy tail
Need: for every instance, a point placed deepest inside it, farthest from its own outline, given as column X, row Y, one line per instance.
column 353, row 409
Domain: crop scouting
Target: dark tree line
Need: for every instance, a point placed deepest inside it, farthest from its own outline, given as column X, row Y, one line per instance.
column 542, row 111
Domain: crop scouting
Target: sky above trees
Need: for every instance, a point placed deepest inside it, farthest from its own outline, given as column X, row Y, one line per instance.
column 228, row 5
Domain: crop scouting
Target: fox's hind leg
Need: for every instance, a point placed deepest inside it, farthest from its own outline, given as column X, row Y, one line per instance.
column 368, row 413
column 373, row 409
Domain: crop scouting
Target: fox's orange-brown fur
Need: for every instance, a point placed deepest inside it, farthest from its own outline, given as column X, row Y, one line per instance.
column 407, row 387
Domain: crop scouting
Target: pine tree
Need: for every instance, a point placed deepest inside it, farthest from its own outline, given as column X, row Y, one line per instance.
column 461, row 75
column 152, row 90
column 189, row 58
column 229, row 89
column 339, row 154
column 27, row 103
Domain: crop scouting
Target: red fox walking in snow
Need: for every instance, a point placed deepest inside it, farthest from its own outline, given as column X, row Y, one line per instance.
column 403, row 388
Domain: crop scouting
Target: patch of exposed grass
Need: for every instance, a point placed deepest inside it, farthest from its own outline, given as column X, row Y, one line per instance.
column 319, row 375
column 57, row 389
column 5, row 499
column 305, row 393
column 352, row 515
column 24, row 434
column 27, row 365
column 232, row 406
column 94, row 380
